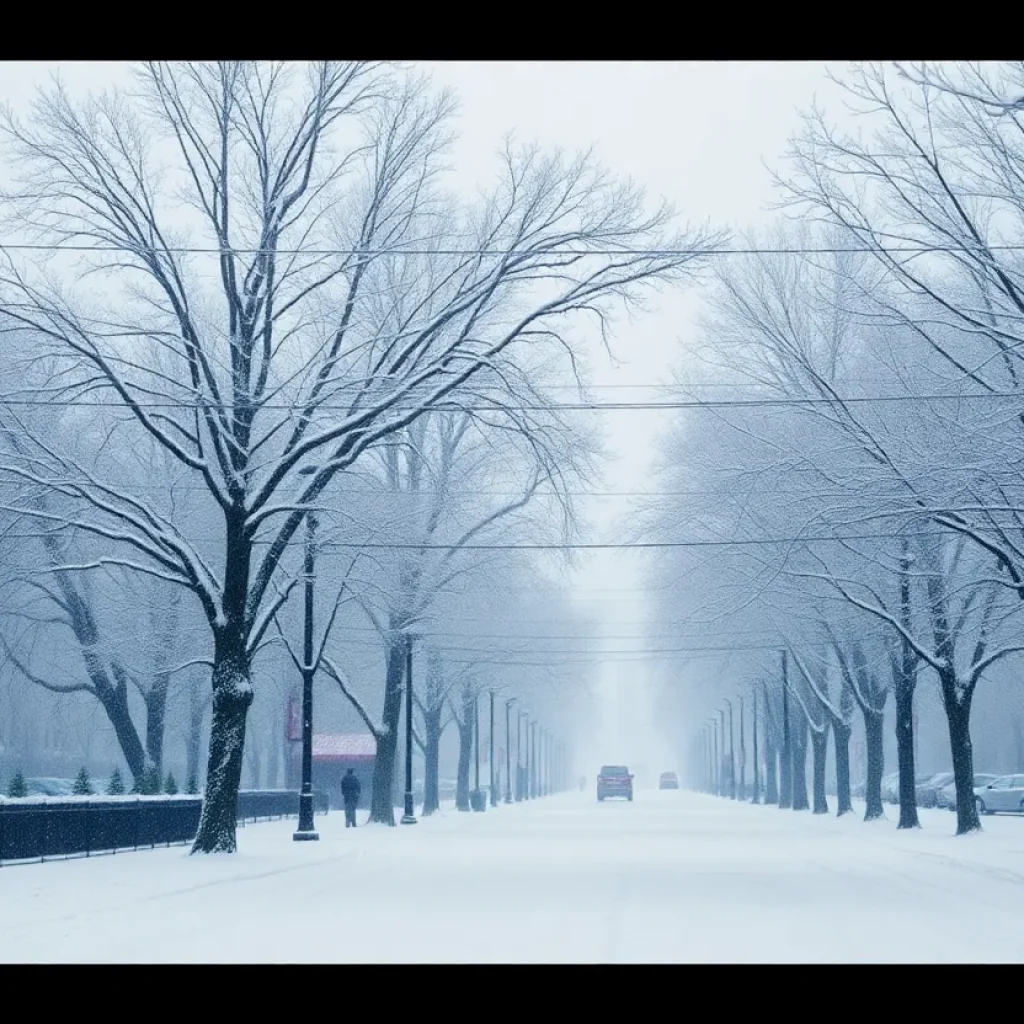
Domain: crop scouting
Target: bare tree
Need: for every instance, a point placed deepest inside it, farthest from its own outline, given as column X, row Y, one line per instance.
column 315, row 196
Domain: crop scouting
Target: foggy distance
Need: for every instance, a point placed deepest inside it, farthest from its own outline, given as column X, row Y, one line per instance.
column 415, row 477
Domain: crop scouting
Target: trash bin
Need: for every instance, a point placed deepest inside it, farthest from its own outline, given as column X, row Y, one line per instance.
column 478, row 800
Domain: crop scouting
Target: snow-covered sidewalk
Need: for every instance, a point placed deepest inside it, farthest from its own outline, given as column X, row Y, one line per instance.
column 672, row 877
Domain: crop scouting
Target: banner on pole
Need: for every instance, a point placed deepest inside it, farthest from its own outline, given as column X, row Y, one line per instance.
column 294, row 733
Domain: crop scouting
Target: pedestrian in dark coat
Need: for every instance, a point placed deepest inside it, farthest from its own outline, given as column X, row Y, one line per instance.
column 350, row 790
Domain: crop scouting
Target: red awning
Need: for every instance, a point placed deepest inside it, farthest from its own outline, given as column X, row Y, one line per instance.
column 353, row 748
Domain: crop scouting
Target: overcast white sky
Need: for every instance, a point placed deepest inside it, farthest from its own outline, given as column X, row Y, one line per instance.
column 697, row 133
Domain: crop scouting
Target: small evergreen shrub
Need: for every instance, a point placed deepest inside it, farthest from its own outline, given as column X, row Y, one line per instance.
column 115, row 787
column 83, row 785
column 17, row 786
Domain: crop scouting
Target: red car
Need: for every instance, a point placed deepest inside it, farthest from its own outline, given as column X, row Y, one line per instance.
column 615, row 781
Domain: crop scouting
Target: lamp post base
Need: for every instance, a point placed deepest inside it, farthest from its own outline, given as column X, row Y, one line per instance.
column 305, row 837
column 408, row 819
column 306, row 830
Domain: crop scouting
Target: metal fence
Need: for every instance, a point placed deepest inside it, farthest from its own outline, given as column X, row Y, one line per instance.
column 37, row 831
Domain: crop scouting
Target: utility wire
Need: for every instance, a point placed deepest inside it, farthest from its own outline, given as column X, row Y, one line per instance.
column 568, row 546
column 449, row 407
column 419, row 250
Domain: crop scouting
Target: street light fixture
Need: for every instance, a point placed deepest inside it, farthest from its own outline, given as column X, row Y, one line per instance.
column 306, row 831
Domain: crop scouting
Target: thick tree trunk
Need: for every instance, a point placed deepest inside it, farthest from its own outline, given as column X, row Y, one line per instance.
column 194, row 746
column 156, row 715
column 274, row 750
column 958, row 717
column 798, row 741
column 771, row 778
column 382, row 810
column 905, row 754
column 819, row 745
column 874, row 742
column 431, row 757
column 115, row 703
column 905, row 682
column 232, row 697
column 465, row 756
column 253, row 758
column 841, row 731
column 786, row 760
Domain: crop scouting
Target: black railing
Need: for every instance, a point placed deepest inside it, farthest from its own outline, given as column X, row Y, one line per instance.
column 37, row 831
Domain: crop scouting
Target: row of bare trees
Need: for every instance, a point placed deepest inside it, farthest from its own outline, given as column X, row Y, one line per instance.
column 859, row 500
column 241, row 293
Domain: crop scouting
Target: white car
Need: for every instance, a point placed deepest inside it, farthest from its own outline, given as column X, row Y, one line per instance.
column 1005, row 794
column 947, row 797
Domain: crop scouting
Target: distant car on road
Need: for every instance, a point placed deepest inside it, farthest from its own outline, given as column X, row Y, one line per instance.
column 614, row 781
column 946, row 797
column 668, row 780
column 1005, row 794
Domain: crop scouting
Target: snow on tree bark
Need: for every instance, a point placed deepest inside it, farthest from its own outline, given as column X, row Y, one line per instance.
column 382, row 809
column 819, row 751
column 232, row 697
column 798, row 737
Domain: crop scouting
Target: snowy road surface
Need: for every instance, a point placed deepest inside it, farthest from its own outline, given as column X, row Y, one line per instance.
column 671, row 877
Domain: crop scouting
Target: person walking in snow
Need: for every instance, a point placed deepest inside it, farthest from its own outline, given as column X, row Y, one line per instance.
column 350, row 790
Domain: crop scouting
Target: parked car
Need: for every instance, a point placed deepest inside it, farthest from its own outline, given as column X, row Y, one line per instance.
column 928, row 791
column 668, row 780
column 946, row 797
column 858, row 791
column 614, row 781
column 1005, row 794
column 891, row 788
column 50, row 787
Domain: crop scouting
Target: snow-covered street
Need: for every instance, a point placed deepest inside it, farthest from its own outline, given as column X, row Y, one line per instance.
column 671, row 877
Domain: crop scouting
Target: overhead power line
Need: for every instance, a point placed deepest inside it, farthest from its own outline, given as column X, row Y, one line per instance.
column 631, row 545
column 451, row 407
column 569, row 546
column 420, row 250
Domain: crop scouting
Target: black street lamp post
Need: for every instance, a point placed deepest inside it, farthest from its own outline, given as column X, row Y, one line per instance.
column 722, row 785
column 490, row 755
column 757, row 767
column 707, row 758
column 409, row 818
column 743, row 758
column 519, row 755
column 532, row 746
column 306, row 831
column 732, row 754
column 526, row 756
column 477, row 802
column 508, row 750
column 786, row 761
column 541, row 763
